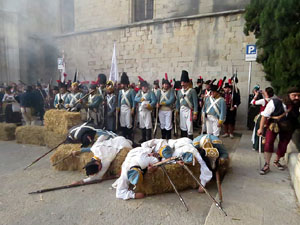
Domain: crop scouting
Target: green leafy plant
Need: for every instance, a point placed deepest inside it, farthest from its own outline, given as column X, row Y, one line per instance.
column 276, row 26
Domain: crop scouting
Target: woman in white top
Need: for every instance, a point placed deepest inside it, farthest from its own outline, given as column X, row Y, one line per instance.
column 268, row 93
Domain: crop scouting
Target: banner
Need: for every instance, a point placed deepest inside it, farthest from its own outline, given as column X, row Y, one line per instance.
column 114, row 73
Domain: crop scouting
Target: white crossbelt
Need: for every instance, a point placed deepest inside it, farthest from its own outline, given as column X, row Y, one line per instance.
column 164, row 96
column 74, row 96
column 184, row 97
column 213, row 104
column 124, row 97
column 77, row 130
column 109, row 98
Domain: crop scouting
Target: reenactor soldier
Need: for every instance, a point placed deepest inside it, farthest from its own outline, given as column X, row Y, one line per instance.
column 199, row 91
column 214, row 112
column 156, row 88
column 111, row 105
column 94, row 105
column 138, row 161
column 102, row 92
column 147, row 101
column 75, row 96
column 62, row 99
column 233, row 100
column 126, row 106
column 165, row 103
column 83, row 133
column 104, row 150
column 187, row 105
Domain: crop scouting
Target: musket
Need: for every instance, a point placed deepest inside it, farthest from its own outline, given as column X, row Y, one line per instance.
column 79, row 100
column 175, row 124
column 156, row 121
column 117, row 120
column 174, row 187
column 174, row 158
column 44, row 155
column 72, row 185
column 205, row 190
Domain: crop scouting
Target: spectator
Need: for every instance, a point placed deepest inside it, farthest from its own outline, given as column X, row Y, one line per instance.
column 283, row 115
column 268, row 94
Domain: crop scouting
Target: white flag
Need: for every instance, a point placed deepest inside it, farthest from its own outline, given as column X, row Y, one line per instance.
column 114, row 74
column 63, row 69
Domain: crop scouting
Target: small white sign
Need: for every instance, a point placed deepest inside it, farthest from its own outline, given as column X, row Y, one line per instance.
column 60, row 63
column 251, row 53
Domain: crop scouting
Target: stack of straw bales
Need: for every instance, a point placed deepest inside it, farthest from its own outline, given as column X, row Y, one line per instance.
column 31, row 135
column 7, row 131
column 57, row 124
column 157, row 182
column 77, row 163
column 60, row 121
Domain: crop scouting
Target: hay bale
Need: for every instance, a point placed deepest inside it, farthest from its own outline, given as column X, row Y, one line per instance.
column 60, row 121
column 52, row 139
column 157, row 182
column 33, row 135
column 71, row 163
column 116, row 164
column 77, row 163
column 7, row 131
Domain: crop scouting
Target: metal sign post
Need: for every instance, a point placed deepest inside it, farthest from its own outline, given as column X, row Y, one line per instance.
column 251, row 55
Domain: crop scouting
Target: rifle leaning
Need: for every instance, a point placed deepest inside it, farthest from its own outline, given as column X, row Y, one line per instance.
column 44, row 155
column 79, row 100
column 72, row 185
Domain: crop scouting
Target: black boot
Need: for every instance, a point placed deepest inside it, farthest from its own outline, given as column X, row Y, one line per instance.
column 191, row 137
column 183, row 133
column 163, row 133
column 143, row 135
column 168, row 134
column 148, row 134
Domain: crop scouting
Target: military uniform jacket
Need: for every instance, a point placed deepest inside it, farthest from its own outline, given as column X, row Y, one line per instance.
column 111, row 102
column 215, row 107
column 126, row 98
column 95, row 101
column 166, row 98
column 187, row 98
column 64, row 98
column 74, row 97
column 76, row 132
column 149, row 96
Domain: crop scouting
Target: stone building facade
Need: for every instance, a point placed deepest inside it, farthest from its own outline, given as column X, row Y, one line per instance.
column 204, row 37
column 153, row 37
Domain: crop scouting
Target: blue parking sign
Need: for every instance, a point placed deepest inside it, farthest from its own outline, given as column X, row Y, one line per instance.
column 251, row 53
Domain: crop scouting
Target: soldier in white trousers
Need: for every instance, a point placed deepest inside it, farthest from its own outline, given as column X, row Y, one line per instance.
column 187, row 106
column 165, row 103
column 214, row 112
column 126, row 105
column 147, row 101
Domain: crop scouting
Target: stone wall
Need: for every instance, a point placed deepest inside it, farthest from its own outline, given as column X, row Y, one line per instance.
column 91, row 14
column 208, row 46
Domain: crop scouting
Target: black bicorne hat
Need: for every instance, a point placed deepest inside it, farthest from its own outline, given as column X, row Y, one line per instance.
column 185, row 76
column 102, row 78
column 214, row 87
column 124, row 79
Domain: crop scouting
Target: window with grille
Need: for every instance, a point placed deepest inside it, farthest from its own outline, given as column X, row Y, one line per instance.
column 143, row 10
